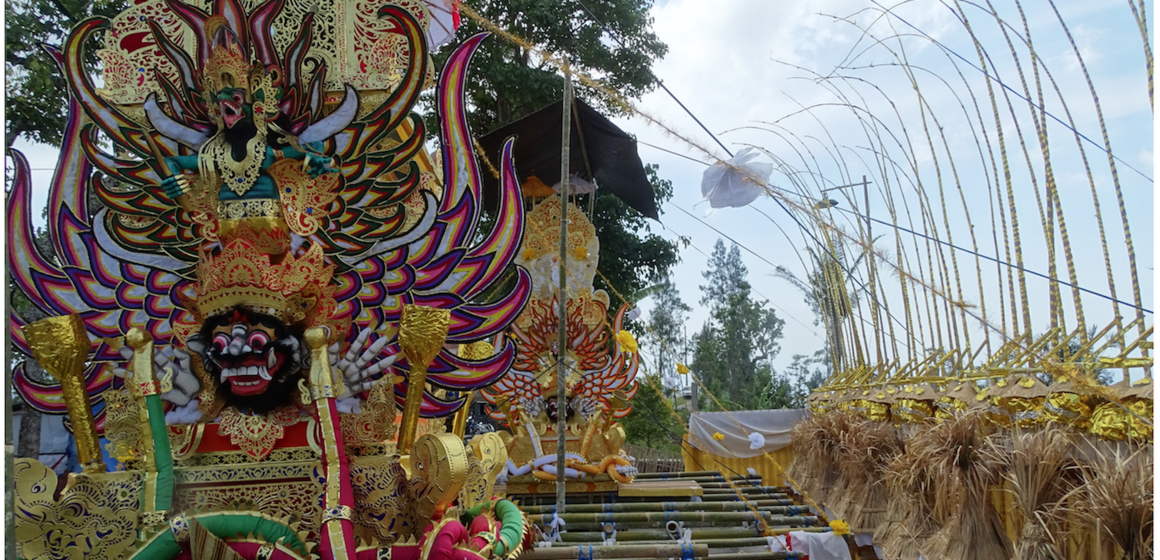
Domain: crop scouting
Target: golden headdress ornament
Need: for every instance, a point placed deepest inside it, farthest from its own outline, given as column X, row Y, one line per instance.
column 297, row 290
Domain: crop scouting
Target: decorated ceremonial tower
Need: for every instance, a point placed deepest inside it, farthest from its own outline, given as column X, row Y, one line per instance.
column 600, row 359
column 256, row 264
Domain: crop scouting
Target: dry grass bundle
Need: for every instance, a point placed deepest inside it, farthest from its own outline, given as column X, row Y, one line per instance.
column 1038, row 480
column 867, row 449
column 830, row 433
column 910, row 508
column 802, row 468
column 1115, row 500
column 963, row 459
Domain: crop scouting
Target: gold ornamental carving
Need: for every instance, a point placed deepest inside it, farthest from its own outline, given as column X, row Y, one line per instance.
column 96, row 516
column 254, row 433
column 422, row 332
column 60, row 345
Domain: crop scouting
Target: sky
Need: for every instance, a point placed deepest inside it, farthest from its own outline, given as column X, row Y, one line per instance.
column 747, row 69
column 745, row 63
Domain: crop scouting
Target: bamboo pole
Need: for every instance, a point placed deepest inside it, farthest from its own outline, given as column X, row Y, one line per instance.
column 562, row 348
column 618, row 551
column 782, row 506
column 699, row 535
column 680, row 516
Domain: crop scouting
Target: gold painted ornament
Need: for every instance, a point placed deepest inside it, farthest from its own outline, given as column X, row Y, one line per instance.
column 60, row 345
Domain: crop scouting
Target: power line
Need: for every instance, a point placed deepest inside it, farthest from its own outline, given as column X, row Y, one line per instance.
column 823, row 247
column 659, row 81
column 995, row 260
column 1008, row 88
column 779, row 203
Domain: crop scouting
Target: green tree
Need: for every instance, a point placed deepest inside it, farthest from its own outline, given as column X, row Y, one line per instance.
column 28, row 440
column 651, row 424
column 631, row 256
column 511, row 82
column 35, row 107
column 734, row 351
column 666, row 323
column 611, row 40
column 805, row 373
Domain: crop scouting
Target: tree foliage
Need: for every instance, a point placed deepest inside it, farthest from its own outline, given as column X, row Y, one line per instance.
column 651, row 423
column 36, row 106
column 510, row 81
column 666, row 337
column 734, row 351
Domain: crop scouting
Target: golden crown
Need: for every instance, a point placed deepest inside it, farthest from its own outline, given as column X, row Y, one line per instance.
column 227, row 61
column 297, row 290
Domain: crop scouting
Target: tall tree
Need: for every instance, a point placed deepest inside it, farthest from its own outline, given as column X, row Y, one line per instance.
column 735, row 348
column 651, row 423
column 667, row 329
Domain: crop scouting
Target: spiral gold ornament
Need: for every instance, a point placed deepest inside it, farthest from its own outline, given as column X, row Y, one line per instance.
column 422, row 332
column 60, row 345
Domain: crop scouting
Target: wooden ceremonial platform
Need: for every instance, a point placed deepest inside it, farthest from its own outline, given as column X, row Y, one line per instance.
column 662, row 515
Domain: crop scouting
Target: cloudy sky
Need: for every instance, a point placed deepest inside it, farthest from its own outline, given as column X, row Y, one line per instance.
column 742, row 64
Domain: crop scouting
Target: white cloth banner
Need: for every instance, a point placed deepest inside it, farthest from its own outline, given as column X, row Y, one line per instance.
column 737, row 182
column 819, row 546
column 773, row 425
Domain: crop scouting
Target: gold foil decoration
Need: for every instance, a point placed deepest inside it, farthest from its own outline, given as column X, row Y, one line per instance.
column 95, row 517
column 422, row 332
column 1025, row 413
column 439, row 468
column 1068, row 408
column 375, row 422
column 257, row 434
column 912, row 411
column 122, row 426
column 492, row 454
column 876, row 411
column 60, row 345
column 1110, row 420
column 945, row 408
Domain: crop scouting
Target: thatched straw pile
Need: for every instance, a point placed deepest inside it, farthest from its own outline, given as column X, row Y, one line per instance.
column 910, row 517
column 867, row 449
column 964, row 459
column 1038, row 480
column 1115, row 499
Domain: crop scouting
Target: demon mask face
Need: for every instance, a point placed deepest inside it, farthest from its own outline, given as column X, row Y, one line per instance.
column 254, row 359
column 235, row 105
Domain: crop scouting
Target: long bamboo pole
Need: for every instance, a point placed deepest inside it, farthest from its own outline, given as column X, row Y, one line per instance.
column 782, row 506
column 562, row 348
column 618, row 551
column 666, row 516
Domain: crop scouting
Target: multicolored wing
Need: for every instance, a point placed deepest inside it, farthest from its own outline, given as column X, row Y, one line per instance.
column 442, row 267
column 619, row 376
column 73, row 268
column 511, row 387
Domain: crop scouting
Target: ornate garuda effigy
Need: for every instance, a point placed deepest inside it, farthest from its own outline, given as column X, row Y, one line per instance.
column 601, row 362
column 254, row 263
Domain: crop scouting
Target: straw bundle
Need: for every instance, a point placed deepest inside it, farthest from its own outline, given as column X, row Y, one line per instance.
column 802, row 468
column 963, row 460
column 910, row 517
column 867, row 449
column 1038, row 480
column 828, row 435
column 1115, row 500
